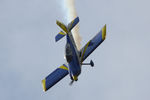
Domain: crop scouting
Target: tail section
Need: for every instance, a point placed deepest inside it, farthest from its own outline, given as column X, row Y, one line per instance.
column 65, row 28
column 62, row 26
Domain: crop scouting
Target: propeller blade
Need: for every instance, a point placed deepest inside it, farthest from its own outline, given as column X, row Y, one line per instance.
column 71, row 82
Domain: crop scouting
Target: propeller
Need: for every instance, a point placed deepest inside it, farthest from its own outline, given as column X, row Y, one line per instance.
column 71, row 82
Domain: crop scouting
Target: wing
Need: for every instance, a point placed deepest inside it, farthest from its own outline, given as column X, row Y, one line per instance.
column 93, row 44
column 54, row 77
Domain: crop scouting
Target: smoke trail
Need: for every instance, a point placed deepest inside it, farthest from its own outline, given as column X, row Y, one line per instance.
column 71, row 14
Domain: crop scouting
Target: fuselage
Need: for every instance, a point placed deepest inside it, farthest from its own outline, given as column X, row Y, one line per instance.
column 72, row 57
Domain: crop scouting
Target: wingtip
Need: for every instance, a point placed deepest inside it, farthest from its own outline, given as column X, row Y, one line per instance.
column 104, row 32
column 44, row 84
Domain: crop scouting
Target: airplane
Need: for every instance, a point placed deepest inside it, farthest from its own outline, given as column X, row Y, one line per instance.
column 74, row 57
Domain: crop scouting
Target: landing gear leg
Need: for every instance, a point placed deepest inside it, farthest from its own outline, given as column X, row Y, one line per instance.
column 91, row 63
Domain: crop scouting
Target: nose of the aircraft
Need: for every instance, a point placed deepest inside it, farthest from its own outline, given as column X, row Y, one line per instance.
column 75, row 78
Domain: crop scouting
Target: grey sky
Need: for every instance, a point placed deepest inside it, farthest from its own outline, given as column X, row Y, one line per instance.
column 29, row 53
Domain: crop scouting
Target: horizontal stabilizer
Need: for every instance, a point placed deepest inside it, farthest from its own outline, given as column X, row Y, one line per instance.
column 54, row 77
column 59, row 36
column 73, row 23
column 62, row 26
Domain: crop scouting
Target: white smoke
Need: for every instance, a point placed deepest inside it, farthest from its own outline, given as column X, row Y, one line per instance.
column 71, row 14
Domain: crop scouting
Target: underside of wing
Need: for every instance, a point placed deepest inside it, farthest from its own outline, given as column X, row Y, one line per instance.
column 54, row 77
column 93, row 44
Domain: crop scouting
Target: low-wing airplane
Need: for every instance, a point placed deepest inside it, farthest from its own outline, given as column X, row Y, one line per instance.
column 73, row 56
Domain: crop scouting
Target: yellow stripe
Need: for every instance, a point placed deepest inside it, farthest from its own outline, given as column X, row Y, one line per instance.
column 44, row 84
column 62, row 33
column 84, row 50
column 63, row 67
column 104, row 32
column 61, row 25
column 71, row 24
column 75, row 78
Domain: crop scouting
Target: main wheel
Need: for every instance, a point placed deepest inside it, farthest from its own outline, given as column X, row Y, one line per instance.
column 92, row 63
